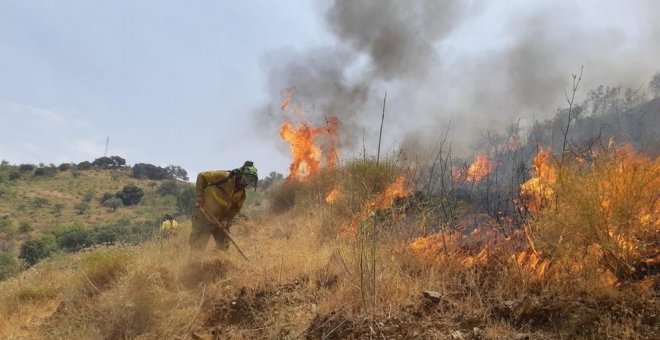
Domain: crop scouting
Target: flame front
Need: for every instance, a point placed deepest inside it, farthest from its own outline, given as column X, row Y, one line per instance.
column 384, row 200
column 476, row 171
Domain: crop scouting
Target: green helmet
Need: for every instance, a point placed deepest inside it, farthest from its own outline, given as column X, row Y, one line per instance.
column 250, row 174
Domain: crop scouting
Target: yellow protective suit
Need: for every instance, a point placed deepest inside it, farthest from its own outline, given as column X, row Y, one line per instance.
column 169, row 228
column 218, row 194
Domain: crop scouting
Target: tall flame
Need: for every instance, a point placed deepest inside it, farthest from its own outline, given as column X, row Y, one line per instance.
column 306, row 156
column 311, row 146
column 539, row 190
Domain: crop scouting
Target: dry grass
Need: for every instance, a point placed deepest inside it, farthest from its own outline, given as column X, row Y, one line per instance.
column 303, row 280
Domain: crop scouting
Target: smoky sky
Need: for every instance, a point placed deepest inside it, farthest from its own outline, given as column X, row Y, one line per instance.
column 406, row 49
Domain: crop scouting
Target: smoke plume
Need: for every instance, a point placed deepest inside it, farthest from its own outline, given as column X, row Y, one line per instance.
column 414, row 50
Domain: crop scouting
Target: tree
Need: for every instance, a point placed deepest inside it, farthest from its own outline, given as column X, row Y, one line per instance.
column 84, row 165
column 654, row 85
column 149, row 171
column 186, row 200
column 33, row 251
column 131, row 195
column 177, row 172
column 64, row 167
column 112, row 162
column 81, row 207
column 26, row 167
column 113, row 203
column 168, row 187
column 272, row 178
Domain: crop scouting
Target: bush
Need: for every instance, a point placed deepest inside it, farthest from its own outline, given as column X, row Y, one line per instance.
column 14, row 175
column 26, row 167
column 605, row 211
column 64, row 166
column 186, row 200
column 45, row 172
column 106, row 196
column 25, row 227
column 168, row 187
column 113, row 203
column 58, row 207
column 130, row 195
column 4, row 191
column 82, row 207
column 9, row 266
column 88, row 196
column 40, row 202
column 33, row 251
column 85, row 165
column 74, row 238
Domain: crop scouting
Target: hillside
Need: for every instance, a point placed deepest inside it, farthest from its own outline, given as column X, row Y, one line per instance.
column 353, row 253
column 33, row 205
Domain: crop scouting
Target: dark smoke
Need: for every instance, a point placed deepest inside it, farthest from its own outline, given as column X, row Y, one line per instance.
column 398, row 36
column 405, row 47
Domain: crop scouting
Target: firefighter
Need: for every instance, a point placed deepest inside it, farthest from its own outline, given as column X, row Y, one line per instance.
column 220, row 194
column 169, row 227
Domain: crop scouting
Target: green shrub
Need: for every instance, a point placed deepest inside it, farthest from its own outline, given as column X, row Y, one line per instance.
column 168, row 187
column 25, row 227
column 74, row 238
column 4, row 191
column 82, row 207
column 106, row 196
column 4, row 222
column 9, row 266
column 113, row 203
column 33, row 251
column 39, row 202
column 131, row 195
column 186, row 200
column 88, row 196
column 26, row 167
column 14, row 175
column 45, row 172
column 85, row 165
column 58, row 207
column 64, row 166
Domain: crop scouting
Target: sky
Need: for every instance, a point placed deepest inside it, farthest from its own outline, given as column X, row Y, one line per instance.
column 178, row 82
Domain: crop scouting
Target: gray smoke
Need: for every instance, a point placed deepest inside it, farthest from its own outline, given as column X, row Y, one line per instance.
column 406, row 48
column 398, row 36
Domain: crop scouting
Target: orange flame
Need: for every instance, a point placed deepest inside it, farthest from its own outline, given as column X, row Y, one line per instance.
column 307, row 151
column 395, row 190
column 333, row 195
column 538, row 191
column 306, row 156
column 476, row 171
